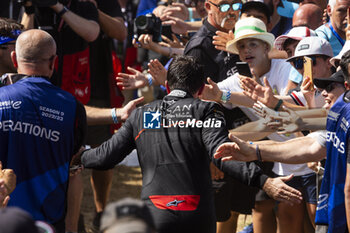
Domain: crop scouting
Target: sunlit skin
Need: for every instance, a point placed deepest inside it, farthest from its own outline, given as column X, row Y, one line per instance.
column 332, row 96
column 290, row 48
column 309, row 15
column 215, row 16
column 338, row 16
column 255, row 53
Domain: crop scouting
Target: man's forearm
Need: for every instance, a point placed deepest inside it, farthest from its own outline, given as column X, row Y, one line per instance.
column 28, row 21
column 238, row 98
column 294, row 151
column 314, row 124
column 112, row 151
column 87, row 29
column 102, row 116
column 98, row 116
column 252, row 131
column 288, row 102
column 313, row 113
column 194, row 26
column 114, row 27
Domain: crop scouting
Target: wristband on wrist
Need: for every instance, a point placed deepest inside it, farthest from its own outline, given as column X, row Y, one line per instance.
column 114, row 115
column 278, row 105
column 63, row 11
column 190, row 14
column 29, row 10
column 150, row 80
column 225, row 97
column 258, row 154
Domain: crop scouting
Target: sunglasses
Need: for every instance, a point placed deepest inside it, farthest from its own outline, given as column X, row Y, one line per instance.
column 299, row 62
column 225, row 7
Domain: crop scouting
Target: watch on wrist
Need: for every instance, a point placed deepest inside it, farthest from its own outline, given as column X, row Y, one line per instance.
column 63, row 11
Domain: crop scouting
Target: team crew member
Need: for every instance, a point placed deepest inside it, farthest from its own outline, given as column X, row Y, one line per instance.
column 175, row 158
column 41, row 127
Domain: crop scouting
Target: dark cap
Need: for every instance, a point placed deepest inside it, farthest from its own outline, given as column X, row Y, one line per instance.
column 127, row 215
column 257, row 5
column 337, row 77
column 16, row 220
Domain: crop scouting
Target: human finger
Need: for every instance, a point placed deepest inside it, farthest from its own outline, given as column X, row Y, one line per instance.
column 166, row 39
column 248, row 83
column 226, row 149
column 287, row 178
column 6, row 201
column 132, row 70
column 266, row 83
column 123, row 76
column 138, row 100
column 290, row 195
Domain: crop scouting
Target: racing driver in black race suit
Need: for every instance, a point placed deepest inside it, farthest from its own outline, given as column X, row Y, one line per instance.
column 176, row 139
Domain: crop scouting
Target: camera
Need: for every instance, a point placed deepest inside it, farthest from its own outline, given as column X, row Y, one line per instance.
column 148, row 24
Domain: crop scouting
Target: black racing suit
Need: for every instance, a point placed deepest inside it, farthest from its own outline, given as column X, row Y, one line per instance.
column 175, row 160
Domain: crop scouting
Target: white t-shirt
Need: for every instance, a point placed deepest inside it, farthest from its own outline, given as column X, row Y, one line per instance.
column 277, row 77
column 299, row 98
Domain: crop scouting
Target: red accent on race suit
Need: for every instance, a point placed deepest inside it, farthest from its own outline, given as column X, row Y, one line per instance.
column 176, row 202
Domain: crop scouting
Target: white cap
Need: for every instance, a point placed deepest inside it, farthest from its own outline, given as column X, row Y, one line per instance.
column 312, row 45
column 345, row 48
column 295, row 33
column 250, row 28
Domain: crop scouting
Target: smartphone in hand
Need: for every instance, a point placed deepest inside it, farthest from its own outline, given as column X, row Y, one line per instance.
column 243, row 69
column 308, row 71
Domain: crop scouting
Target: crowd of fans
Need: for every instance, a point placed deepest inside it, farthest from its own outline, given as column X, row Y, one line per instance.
column 73, row 72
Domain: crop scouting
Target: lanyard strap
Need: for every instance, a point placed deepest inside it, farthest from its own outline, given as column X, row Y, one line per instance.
column 342, row 42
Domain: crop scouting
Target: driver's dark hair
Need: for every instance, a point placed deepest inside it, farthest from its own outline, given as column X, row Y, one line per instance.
column 185, row 73
column 8, row 26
